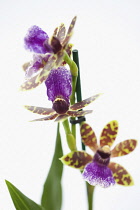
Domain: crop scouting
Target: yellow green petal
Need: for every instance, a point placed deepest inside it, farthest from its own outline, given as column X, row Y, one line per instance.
column 109, row 133
column 121, row 175
column 76, row 159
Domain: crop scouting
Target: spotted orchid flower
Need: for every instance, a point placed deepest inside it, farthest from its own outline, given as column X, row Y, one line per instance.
column 60, row 115
column 98, row 170
column 49, row 53
column 59, row 89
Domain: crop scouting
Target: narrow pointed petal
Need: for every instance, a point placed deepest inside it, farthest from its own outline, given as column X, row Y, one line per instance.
column 77, row 159
column 59, row 60
column 38, row 79
column 30, row 84
column 109, row 133
column 61, row 33
column 26, row 66
column 120, row 174
column 61, row 118
column 50, row 117
column 124, row 148
column 55, row 31
column 68, row 49
column 96, row 174
column 70, row 31
column 84, row 103
column 88, row 136
column 79, row 113
column 40, row 110
column 46, row 70
column 35, row 66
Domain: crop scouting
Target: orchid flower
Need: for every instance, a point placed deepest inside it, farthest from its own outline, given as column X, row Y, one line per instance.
column 98, row 170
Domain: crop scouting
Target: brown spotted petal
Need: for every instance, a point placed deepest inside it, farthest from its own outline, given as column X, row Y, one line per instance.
column 76, row 159
column 70, row 32
column 42, row 76
column 61, row 118
column 26, row 65
column 124, row 148
column 59, row 60
column 120, row 174
column 109, row 133
column 30, row 84
column 61, row 33
column 68, row 49
column 51, row 117
column 40, row 110
column 82, row 104
column 88, row 136
column 79, row 113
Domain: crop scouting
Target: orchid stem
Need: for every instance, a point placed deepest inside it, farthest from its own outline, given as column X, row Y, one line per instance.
column 78, row 84
column 74, row 72
column 90, row 191
column 71, row 141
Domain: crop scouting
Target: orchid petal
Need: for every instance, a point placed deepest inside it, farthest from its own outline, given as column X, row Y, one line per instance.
column 78, row 113
column 97, row 174
column 46, row 70
column 76, row 159
column 38, row 79
column 124, row 148
column 70, row 32
column 120, row 174
column 50, row 117
column 61, row 33
column 109, row 133
column 84, row 103
column 34, row 40
column 40, row 110
column 88, row 136
column 61, row 118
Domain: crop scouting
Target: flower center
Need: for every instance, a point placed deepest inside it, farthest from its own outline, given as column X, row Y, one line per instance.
column 102, row 156
column 55, row 44
column 60, row 105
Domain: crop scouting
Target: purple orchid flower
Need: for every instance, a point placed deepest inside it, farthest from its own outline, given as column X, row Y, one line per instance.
column 59, row 89
column 49, row 53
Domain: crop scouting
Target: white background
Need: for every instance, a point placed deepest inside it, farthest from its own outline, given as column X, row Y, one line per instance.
column 107, row 36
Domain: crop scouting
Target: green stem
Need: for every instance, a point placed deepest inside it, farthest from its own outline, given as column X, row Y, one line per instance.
column 72, row 65
column 90, row 189
column 71, row 141
column 78, row 84
column 90, row 192
column 74, row 72
column 72, row 101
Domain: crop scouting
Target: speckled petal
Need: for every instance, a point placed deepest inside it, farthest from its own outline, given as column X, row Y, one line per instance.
column 88, row 136
column 34, row 40
column 41, row 77
column 84, row 103
column 40, row 110
column 109, row 134
column 121, row 175
column 59, row 84
column 96, row 174
column 37, row 63
column 124, row 148
column 79, row 113
column 76, row 159
column 51, row 117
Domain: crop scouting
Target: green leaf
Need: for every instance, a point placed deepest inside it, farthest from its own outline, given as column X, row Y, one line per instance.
column 52, row 193
column 20, row 200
